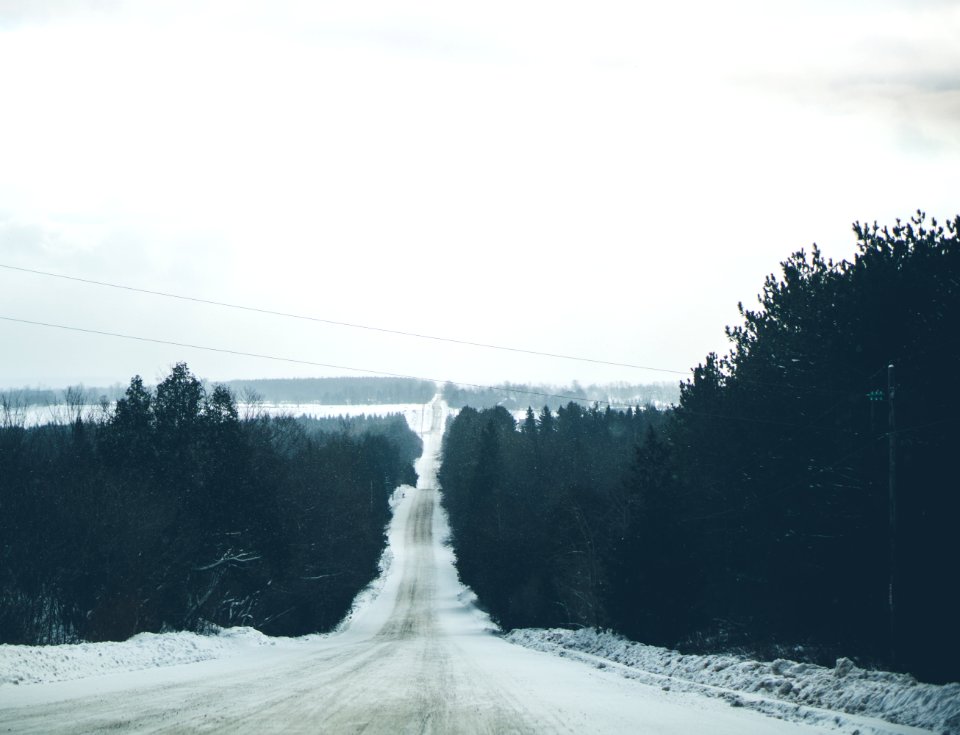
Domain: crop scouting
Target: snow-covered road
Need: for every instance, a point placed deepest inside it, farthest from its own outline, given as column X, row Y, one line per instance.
column 415, row 657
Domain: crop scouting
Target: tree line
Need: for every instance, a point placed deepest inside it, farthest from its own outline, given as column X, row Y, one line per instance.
column 337, row 391
column 516, row 396
column 48, row 405
column 45, row 405
column 537, row 511
column 172, row 513
column 756, row 515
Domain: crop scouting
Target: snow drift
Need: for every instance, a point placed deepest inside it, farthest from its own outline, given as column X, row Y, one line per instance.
column 896, row 698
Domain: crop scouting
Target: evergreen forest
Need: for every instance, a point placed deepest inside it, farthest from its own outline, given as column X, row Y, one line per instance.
column 169, row 512
column 801, row 500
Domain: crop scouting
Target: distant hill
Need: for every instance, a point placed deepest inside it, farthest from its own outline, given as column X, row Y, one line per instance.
column 517, row 396
column 331, row 391
column 336, row 391
column 357, row 391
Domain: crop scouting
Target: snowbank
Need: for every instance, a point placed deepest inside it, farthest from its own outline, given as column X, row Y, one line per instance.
column 896, row 698
column 44, row 664
column 47, row 664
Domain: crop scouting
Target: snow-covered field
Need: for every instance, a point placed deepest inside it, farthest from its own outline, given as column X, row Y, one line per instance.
column 416, row 655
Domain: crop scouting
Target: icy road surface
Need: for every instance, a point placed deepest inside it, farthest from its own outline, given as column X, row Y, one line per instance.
column 416, row 658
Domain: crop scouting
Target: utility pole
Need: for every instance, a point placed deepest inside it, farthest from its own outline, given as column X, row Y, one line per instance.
column 892, row 503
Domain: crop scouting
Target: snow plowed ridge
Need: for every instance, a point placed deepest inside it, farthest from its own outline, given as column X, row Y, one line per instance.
column 44, row 664
column 895, row 698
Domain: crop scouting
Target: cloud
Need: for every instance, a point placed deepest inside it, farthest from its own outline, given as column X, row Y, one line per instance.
column 18, row 239
column 284, row 153
column 14, row 13
column 923, row 116
column 895, row 65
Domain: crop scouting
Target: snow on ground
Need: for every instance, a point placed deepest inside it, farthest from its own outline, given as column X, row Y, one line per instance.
column 45, row 664
column 892, row 697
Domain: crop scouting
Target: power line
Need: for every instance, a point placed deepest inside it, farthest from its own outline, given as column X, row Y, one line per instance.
column 350, row 325
column 450, row 340
column 312, row 363
column 806, row 479
column 296, row 361
column 417, row 335
column 767, row 422
column 918, row 427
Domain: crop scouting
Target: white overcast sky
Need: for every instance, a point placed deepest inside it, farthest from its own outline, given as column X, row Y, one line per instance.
column 605, row 179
